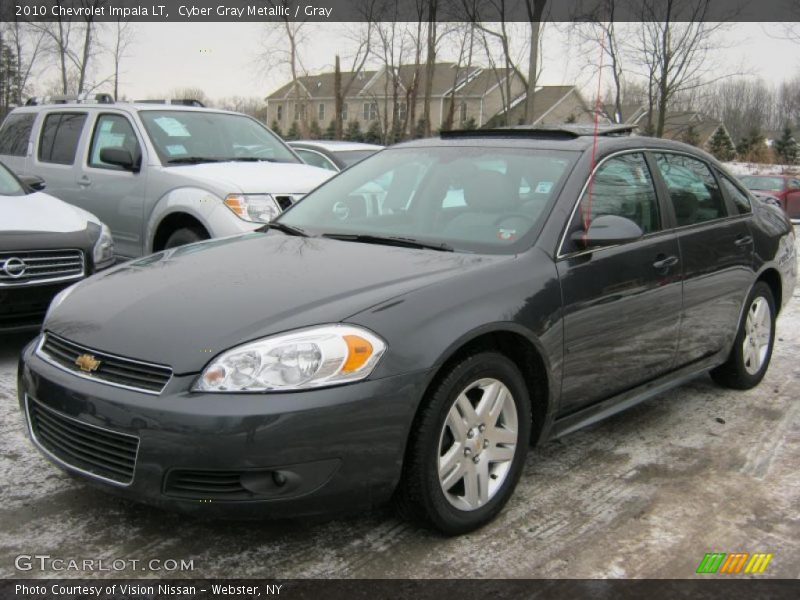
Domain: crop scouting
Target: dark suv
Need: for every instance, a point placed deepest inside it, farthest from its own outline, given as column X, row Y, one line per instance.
column 505, row 287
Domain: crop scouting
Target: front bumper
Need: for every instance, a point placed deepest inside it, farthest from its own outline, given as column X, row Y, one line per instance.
column 286, row 454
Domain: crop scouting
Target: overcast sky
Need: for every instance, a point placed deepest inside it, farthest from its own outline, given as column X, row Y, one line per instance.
column 222, row 58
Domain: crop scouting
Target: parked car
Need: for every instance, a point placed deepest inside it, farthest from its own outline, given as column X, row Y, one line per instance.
column 160, row 175
column 45, row 246
column 413, row 348
column 333, row 155
column 784, row 188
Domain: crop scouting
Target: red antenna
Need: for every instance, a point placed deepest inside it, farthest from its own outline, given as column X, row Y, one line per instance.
column 587, row 210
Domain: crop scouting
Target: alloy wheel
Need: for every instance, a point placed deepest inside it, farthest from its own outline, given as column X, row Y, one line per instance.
column 758, row 331
column 477, row 444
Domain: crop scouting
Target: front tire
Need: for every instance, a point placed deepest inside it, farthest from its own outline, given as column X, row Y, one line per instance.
column 468, row 446
column 752, row 349
column 185, row 235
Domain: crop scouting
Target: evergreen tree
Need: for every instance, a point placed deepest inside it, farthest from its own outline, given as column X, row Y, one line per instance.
column 721, row 145
column 330, row 130
column 276, row 128
column 786, row 147
column 294, row 132
column 353, row 132
column 469, row 124
column 314, row 131
column 690, row 136
column 374, row 135
column 753, row 147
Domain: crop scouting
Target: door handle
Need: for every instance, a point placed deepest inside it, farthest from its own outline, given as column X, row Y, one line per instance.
column 84, row 181
column 662, row 264
column 743, row 240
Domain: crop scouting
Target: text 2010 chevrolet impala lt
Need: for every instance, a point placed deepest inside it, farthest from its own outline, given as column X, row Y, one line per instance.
column 411, row 342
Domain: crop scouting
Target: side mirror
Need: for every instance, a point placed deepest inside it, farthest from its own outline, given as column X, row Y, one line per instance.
column 608, row 230
column 34, row 182
column 119, row 157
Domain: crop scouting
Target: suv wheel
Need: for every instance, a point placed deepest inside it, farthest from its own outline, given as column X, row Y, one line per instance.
column 185, row 235
column 752, row 349
column 468, row 446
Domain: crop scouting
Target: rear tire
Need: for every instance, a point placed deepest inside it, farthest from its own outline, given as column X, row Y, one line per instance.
column 752, row 349
column 467, row 446
column 185, row 235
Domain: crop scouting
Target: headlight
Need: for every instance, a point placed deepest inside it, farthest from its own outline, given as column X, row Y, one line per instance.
column 306, row 358
column 258, row 208
column 103, row 248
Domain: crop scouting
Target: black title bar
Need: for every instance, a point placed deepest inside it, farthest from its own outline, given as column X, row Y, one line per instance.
column 178, row 11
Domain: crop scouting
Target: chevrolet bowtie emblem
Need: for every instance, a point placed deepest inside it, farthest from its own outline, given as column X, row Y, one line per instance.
column 87, row 362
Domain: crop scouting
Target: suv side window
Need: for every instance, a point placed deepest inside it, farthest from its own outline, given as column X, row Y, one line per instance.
column 737, row 196
column 15, row 134
column 622, row 186
column 60, row 135
column 112, row 131
column 794, row 184
column 694, row 191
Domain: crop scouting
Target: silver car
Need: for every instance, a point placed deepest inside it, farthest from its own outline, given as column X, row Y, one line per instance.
column 159, row 175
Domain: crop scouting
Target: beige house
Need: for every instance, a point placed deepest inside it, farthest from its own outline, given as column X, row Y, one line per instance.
column 472, row 93
column 683, row 126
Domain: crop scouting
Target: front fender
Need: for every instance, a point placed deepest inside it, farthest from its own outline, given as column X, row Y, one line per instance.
column 207, row 208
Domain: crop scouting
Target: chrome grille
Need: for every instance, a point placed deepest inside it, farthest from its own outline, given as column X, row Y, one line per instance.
column 93, row 450
column 40, row 266
column 111, row 369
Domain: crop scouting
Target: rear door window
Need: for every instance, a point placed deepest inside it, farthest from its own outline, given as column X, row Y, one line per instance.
column 693, row 189
column 61, row 133
column 15, row 133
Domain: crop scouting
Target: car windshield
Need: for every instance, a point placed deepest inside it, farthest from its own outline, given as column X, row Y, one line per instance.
column 351, row 157
column 9, row 186
column 772, row 184
column 458, row 198
column 187, row 137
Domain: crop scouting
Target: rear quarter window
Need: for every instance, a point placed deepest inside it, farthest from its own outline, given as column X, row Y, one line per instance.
column 15, row 133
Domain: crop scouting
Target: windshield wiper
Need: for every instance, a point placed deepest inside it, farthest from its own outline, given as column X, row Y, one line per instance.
column 249, row 159
column 403, row 242
column 191, row 160
column 283, row 227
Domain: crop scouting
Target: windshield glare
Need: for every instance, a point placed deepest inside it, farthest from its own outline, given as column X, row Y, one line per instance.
column 8, row 183
column 192, row 136
column 772, row 184
column 471, row 199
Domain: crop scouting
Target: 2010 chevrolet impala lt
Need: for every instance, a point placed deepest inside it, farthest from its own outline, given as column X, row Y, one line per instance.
column 408, row 329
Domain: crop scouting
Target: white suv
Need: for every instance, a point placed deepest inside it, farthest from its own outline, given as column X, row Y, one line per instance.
column 159, row 175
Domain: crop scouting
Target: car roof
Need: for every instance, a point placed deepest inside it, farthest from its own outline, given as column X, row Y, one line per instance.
column 335, row 145
column 558, row 138
column 125, row 106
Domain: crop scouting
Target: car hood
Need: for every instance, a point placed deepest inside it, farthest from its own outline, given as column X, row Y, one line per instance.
column 255, row 177
column 183, row 306
column 40, row 212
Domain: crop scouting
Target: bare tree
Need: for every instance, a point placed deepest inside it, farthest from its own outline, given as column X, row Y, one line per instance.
column 493, row 18
column 123, row 36
column 27, row 43
column 362, row 39
column 282, row 45
column 673, row 50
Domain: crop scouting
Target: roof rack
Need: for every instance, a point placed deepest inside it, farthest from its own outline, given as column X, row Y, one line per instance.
column 176, row 101
column 84, row 98
column 556, row 131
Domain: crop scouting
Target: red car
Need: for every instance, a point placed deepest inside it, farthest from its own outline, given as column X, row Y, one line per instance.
column 785, row 188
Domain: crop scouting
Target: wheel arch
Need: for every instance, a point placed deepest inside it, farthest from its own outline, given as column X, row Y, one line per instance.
column 772, row 278
column 522, row 348
column 172, row 222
